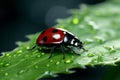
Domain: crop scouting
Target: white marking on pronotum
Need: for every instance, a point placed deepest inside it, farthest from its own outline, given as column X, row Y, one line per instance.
column 76, row 44
column 67, row 32
column 56, row 36
column 65, row 39
column 72, row 41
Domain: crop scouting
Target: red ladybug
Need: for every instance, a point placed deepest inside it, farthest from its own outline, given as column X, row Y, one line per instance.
column 58, row 38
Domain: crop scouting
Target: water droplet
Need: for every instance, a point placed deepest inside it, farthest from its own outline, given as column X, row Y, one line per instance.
column 47, row 73
column 7, row 64
column 19, row 51
column 28, row 47
column 7, row 54
column 6, row 74
column 36, row 66
column 42, row 53
column 75, row 21
column 38, row 56
column 57, row 63
column 47, row 65
column 68, row 61
column 91, row 55
column 51, row 61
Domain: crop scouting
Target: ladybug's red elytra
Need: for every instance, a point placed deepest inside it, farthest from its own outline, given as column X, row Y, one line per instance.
column 58, row 38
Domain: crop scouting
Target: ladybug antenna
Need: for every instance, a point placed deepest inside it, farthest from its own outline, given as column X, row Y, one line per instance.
column 81, row 47
column 84, row 49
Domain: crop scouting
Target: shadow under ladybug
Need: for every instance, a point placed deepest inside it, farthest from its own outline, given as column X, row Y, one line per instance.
column 58, row 38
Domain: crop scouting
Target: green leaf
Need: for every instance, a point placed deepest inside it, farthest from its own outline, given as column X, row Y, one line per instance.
column 97, row 26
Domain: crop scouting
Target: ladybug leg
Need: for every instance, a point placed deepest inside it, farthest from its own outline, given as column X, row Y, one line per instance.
column 84, row 49
column 51, row 52
column 81, row 47
column 63, row 52
column 72, row 50
column 33, row 47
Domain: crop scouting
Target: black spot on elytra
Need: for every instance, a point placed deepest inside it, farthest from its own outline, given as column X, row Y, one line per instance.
column 54, row 30
column 45, row 39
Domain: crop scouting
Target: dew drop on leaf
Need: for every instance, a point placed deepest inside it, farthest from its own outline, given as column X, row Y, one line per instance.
column 42, row 53
column 36, row 66
column 57, row 63
column 38, row 56
column 90, row 54
column 19, row 51
column 7, row 64
column 28, row 47
column 6, row 74
column 75, row 21
column 46, row 72
column 51, row 61
column 7, row 55
column 68, row 61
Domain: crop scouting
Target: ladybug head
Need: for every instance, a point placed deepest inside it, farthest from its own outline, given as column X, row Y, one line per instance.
column 80, row 45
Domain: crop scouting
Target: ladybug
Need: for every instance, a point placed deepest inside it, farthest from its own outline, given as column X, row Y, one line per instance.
column 58, row 38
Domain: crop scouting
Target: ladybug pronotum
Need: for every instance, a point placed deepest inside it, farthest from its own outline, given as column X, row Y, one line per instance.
column 58, row 38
